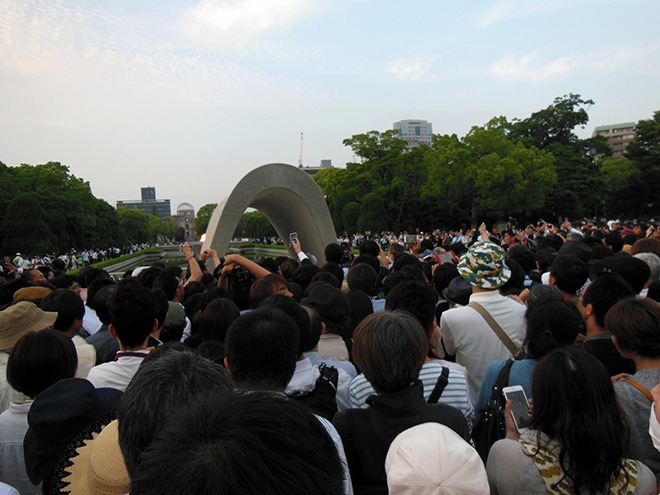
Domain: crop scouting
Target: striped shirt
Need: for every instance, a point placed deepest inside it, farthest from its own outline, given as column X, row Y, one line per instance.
column 456, row 393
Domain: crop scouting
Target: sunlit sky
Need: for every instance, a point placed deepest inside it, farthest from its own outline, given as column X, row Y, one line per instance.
column 189, row 96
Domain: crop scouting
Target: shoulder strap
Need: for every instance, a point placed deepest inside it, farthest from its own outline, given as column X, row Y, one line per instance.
column 503, row 378
column 440, row 385
column 641, row 388
column 517, row 353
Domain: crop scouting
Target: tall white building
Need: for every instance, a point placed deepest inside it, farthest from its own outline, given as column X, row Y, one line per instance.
column 415, row 131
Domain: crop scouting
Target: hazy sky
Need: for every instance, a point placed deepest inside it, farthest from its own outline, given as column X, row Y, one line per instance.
column 189, row 96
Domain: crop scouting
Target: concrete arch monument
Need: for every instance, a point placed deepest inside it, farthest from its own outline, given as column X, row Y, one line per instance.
column 288, row 197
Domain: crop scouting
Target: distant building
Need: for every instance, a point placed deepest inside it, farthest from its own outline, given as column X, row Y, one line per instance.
column 148, row 203
column 185, row 219
column 618, row 136
column 415, row 131
column 313, row 170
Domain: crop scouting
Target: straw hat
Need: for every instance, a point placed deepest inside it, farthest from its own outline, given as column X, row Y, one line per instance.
column 21, row 318
column 33, row 293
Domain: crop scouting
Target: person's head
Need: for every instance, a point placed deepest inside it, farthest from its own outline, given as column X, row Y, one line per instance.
column 102, row 302
column 568, row 273
column 483, row 266
column 132, row 315
column 333, row 306
column 66, row 282
column 601, row 295
column 362, row 277
column 69, row 307
column 614, row 241
column 369, row 247
column 304, row 274
column 653, row 262
column 550, row 324
column 161, row 304
column 34, row 277
column 509, row 237
column 214, row 321
column 575, row 404
column 39, row 359
column 94, row 287
column 523, row 255
column 539, row 293
column 162, row 386
column 390, row 348
column 646, row 245
column 267, row 286
column 333, row 253
column 315, row 325
column 635, row 327
column 333, row 269
column 21, row 318
column 241, row 443
column 298, row 314
column 443, row 275
column 544, row 258
column 168, row 283
column 262, row 348
column 417, row 299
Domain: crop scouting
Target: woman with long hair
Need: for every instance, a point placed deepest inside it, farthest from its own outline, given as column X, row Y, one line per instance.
column 576, row 438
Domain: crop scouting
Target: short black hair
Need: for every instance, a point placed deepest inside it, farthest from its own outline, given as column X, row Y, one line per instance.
column 67, row 304
column 570, row 273
column 262, row 349
column 605, row 292
column 39, row 359
column 333, row 253
column 132, row 314
column 334, row 269
column 162, row 385
column 362, row 277
column 168, row 282
column 417, row 299
column 369, row 247
column 241, row 443
column 102, row 302
column 298, row 314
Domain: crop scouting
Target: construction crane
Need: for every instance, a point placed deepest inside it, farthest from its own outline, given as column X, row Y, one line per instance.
column 300, row 158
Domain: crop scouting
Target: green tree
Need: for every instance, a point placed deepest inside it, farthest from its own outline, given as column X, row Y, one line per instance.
column 580, row 187
column 254, row 224
column 134, row 224
column 25, row 228
column 204, row 217
column 644, row 152
column 486, row 174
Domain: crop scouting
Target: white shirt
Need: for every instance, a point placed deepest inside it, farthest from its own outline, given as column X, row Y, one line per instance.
column 13, row 426
column 7, row 393
column 304, row 380
column 654, row 428
column 91, row 322
column 116, row 374
column 466, row 334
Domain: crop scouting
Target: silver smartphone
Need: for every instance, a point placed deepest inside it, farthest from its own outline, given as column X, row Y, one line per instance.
column 519, row 406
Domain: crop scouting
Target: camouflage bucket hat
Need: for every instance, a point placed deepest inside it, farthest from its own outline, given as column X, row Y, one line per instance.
column 483, row 265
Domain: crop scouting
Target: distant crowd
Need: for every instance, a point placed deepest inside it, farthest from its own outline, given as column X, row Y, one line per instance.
column 404, row 368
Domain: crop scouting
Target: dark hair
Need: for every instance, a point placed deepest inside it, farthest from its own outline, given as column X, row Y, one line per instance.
column 369, row 247
column 523, row 255
column 89, row 274
column 262, row 349
column 516, row 282
column 214, row 321
column 539, row 293
column 570, row 273
column 544, row 258
column 443, row 275
column 646, row 245
column 168, row 282
column 67, row 304
column 550, row 324
column 102, row 302
column 161, row 304
column 417, row 299
column 406, row 259
column 264, row 287
column 325, row 277
column 315, row 325
column 162, row 385
column 335, row 269
column 63, row 281
column 575, row 404
column 132, row 314
column 241, row 443
column 333, row 253
column 369, row 259
column 361, row 307
column 304, row 274
column 604, row 292
column 396, row 278
column 635, row 322
column 298, row 314
column 390, row 348
column 146, row 277
column 94, row 289
column 39, row 359
column 614, row 241
column 288, row 266
column 362, row 277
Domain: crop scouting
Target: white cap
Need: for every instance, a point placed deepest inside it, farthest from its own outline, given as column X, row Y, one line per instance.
column 432, row 459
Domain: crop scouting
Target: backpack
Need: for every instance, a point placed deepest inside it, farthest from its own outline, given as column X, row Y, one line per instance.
column 322, row 400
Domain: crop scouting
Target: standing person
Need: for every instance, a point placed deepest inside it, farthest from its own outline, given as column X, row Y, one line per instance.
column 574, row 442
column 635, row 327
column 465, row 332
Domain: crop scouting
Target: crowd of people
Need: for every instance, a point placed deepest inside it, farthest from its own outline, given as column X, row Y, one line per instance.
column 366, row 372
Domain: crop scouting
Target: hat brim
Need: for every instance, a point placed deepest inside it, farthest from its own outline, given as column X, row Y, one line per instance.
column 47, row 320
